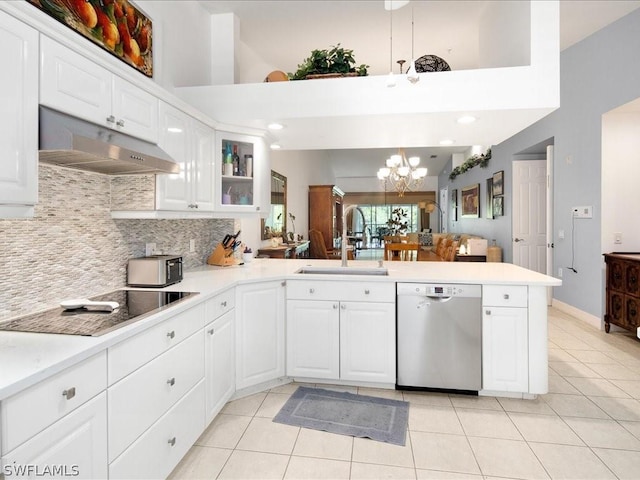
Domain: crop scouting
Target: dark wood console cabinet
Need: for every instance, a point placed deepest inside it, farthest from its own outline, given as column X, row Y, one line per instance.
column 325, row 212
column 623, row 290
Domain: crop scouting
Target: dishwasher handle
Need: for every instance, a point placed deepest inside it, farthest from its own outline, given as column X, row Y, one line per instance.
column 439, row 299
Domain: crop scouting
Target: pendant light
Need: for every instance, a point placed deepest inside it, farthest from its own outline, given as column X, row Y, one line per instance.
column 391, row 79
column 412, row 74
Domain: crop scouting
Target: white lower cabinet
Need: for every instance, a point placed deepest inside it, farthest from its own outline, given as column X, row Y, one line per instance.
column 313, row 339
column 156, row 453
column 219, row 354
column 505, row 352
column 368, row 342
column 139, row 399
column 75, row 446
column 260, row 320
column 329, row 337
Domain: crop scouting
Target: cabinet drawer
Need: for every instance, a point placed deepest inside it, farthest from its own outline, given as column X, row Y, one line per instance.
column 139, row 399
column 31, row 411
column 504, row 296
column 341, row 291
column 77, row 442
column 220, row 304
column 134, row 352
column 156, row 453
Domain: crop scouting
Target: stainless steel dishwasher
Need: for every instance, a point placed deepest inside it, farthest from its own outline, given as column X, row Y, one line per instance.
column 439, row 337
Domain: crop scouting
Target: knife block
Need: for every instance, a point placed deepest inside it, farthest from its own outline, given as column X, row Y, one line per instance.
column 222, row 257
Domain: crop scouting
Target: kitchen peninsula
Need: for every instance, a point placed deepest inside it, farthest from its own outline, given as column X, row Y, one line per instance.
column 173, row 371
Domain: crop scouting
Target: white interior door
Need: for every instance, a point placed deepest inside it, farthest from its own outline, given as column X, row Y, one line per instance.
column 549, row 219
column 530, row 214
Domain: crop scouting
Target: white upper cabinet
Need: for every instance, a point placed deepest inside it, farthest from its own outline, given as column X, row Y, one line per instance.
column 80, row 87
column 19, row 119
column 240, row 172
column 190, row 143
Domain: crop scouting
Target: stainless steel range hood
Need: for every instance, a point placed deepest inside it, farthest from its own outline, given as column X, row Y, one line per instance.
column 74, row 143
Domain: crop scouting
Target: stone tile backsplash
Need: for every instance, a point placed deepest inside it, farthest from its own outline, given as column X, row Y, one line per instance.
column 73, row 248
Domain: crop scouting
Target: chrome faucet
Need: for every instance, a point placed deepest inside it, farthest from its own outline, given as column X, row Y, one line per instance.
column 344, row 241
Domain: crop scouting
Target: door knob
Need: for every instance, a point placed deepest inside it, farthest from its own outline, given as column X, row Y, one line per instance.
column 518, row 240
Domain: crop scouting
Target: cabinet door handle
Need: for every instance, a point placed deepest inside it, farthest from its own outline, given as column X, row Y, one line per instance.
column 171, row 381
column 172, row 441
column 488, row 312
column 120, row 123
column 312, row 290
column 111, row 119
column 223, row 304
column 171, row 334
column 283, row 283
column 366, row 292
column 210, row 332
column 69, row 393
column 335, row 306
column 343, row 306
column 506, row 296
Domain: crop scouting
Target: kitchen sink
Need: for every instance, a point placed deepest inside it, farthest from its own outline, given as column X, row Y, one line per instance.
column 343, row 271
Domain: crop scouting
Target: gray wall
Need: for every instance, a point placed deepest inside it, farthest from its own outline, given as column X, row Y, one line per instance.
column 596, row 75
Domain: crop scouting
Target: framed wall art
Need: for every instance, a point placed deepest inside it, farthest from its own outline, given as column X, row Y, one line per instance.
column 488, row 204
column 498, row 207
column 115, row 25
column 470, row 201
column 454, row 204
column 498, row 183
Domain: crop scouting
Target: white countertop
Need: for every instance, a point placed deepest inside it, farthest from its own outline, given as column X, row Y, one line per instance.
column 27, row 358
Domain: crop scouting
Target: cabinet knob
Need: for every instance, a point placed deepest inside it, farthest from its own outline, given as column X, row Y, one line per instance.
column 210, row 332
column 366, row 292
column 223, row 304
column 120, row 123
column 488, row 312
column 172, row 441
column 111, row 119
column 283, row 283
column 171, row 381
column 312, row 290
column 343, row 306
column 506, row 296
column 335, row 306
column 171, row 334
column 69, row 393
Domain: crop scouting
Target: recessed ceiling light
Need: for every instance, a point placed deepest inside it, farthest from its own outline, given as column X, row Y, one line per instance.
column 174, row 130
column 446, row 142
column 275, row 146
column 275, row 126
column 467, row 119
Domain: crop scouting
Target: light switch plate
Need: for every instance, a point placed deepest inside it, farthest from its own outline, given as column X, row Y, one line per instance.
column 582, row 212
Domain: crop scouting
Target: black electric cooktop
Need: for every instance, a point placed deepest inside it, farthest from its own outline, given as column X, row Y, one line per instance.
column 134, row 305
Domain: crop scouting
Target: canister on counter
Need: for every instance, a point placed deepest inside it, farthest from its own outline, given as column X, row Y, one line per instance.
column 494, row 252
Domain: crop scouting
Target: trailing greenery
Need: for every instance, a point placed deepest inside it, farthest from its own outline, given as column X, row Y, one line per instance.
column 475, row 160
column 336, row 60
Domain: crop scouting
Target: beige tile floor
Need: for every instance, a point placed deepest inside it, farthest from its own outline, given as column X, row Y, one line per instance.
column 586, row 427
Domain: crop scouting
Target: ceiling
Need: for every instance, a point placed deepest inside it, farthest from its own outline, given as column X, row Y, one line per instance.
column 283, row 33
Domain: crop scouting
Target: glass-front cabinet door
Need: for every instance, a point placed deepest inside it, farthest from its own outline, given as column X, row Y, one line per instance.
column 241, row 163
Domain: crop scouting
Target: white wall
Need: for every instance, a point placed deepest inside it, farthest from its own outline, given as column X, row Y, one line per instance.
column 505, row 34
column 620, row 174
column 182, row 42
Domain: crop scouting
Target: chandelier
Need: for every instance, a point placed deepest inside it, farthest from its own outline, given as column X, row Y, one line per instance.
column 401, row 173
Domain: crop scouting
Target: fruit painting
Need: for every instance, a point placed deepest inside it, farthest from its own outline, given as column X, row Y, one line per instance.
column 116, row 25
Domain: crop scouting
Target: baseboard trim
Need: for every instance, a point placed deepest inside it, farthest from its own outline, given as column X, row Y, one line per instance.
column 589, row 319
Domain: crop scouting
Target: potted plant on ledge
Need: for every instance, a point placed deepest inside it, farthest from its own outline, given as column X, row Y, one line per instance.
column 336, row 62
